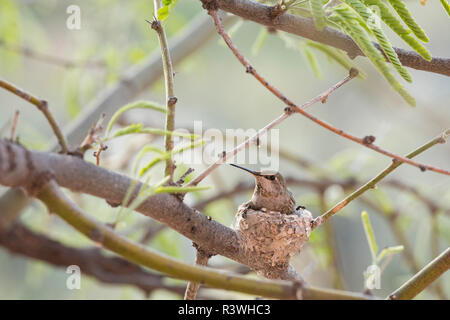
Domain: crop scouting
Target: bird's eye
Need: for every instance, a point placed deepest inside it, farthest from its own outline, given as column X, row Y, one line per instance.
column 271, row 178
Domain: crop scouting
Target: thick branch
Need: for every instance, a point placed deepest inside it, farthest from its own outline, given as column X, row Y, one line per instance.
column 304, row 27
column 113, row 270
column 19, row 167
column 31, row 170
column 133, row 81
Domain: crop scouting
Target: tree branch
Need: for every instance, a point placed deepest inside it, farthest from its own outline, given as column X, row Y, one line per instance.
column 18, row 168
column 423, row 278
column 31, row 170
column 42, row 105
column 305, row 28
column 201, row 259
column 19, row 239
column 171, row 100
column 367, row 141
column 133, row 81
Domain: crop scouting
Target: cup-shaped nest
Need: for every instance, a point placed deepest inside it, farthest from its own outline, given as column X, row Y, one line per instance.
column 273, row 236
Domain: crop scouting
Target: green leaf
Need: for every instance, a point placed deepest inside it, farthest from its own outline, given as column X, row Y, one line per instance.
column 318, row 14
column 162, row 132
column 175, row 189
column 146, row 149
column 336, row 55
column 406, row 16
column 348, row 20
column 373, row 22
column 369, row 235
column 166, row 155
column 190, row 145
column 446, row 6
column 164, row 11
column 150, row 165
column 132, row 128
column 134, row 105
column 389, row 251
column 138, row 128
column 395, row 24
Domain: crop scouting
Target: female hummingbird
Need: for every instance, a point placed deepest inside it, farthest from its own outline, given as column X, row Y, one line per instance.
column 270, row 192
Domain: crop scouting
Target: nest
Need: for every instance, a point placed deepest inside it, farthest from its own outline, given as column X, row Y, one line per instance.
column 273, row 236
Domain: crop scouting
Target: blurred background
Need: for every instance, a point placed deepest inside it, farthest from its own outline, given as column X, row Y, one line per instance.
column 213, row 87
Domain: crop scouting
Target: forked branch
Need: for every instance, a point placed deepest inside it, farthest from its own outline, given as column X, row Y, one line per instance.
column 42, row 105
column 366, row 141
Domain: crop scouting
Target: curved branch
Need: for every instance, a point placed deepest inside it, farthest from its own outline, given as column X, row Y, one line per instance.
column 305, row 28
column 58, row 203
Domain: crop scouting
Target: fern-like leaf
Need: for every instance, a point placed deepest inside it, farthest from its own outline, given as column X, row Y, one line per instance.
column 406, row 16
column 351, row 24
column 372, row 22
column 446, row 6
column 395, row 24
column 318, row 14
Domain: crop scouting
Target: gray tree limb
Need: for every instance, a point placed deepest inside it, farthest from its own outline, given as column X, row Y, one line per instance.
column 23, row 168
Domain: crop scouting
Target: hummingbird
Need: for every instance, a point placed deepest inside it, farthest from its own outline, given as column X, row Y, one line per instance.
column 270, row 192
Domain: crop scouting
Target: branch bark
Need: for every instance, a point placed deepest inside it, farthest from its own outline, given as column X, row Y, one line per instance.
column 423, row 278
column 305, row 28
column 133, row 81
column 171, row 100
column 20, row 167
column 18, row 239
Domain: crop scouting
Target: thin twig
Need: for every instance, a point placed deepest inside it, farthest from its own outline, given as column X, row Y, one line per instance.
column 423, row 278
column 366, row 141
column 372, row 183
column 92, row 135
column 201, row 259
column 255, row 138
column 171, row 100
column 227, row 155
column 57, row 61
column 14, row 125
column 133, row 81
column 41, row 105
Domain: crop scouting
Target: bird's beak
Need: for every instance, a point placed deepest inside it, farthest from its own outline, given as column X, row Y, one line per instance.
column 255, row 173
